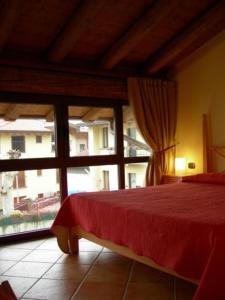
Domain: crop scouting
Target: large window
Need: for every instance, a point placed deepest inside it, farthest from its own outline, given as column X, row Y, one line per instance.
column 55, row 146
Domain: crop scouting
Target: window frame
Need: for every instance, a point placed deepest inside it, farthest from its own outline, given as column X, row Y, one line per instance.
column 62, row 160
column 21, row 142
column 38, row 139
column 132, row 177
column 19, row 180
column 39, row 172
column 105, row 137
column 82, row 147
column 106, row 180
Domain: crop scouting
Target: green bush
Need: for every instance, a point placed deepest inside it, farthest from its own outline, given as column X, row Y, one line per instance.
column 18, row 217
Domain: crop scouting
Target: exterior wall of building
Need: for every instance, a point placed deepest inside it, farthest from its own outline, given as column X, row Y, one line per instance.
column 138, row 169
column 96, row 147
column 32, row 149
column 44, row 183
column 76, row 139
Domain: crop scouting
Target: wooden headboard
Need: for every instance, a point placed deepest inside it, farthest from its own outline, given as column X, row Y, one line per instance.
column 211, row 153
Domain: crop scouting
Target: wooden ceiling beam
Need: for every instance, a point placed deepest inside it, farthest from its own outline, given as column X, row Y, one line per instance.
column 33, row 62
column 77, row 24
column 59, row 83
column 9, row 11
column 13, row 112
column 206, row 27
column 146, row 23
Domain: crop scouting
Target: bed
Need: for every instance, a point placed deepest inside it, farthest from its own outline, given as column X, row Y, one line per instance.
column 159, row 226
column 177, row 228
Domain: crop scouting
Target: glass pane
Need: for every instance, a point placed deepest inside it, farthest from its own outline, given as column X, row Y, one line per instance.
column 134, row 144
column 91, row 131
column 29, row 200
column 135, row 175
column 89, row 179
column 26, row 131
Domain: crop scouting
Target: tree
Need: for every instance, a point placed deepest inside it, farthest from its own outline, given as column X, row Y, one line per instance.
column 6, row 190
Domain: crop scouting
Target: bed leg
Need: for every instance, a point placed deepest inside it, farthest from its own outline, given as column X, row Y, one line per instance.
column 73, row 244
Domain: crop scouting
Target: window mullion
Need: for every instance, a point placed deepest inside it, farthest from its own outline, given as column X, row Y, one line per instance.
column 62, row 144
column 119, row 145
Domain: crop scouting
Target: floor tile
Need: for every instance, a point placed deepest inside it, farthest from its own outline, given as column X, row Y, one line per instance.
column 43, row 255
column 184, row 290
column 67, row 271
column 100, row 291
column 89, row 246
column 5, row 265
column 147, row 291
column 13, row 254
column 28, row 269
column 109, row 273
column 30, row 245
column 112, row 258
column 18, row 284
column 49, row 244
column 142, row 273
column 23, row 264
column 52, row 289
column 85, row 258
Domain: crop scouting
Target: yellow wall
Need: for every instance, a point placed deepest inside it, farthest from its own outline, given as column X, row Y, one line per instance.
column 201, row 89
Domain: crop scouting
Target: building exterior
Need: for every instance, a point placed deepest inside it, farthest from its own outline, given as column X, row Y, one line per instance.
column 34, row 138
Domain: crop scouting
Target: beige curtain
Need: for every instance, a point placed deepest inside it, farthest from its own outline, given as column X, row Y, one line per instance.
column 154, row 105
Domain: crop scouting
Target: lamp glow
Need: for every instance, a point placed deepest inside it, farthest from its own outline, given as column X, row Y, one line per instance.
column 180, row 164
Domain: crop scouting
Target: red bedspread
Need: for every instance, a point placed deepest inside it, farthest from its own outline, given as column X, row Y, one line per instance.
column 179, row 226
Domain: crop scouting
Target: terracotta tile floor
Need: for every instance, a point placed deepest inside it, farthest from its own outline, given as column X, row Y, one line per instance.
column 39, row 270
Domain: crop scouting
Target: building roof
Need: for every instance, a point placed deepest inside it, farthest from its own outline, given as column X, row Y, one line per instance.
column 25, row 125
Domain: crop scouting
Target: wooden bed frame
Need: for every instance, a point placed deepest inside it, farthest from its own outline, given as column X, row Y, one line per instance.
column 69, row 241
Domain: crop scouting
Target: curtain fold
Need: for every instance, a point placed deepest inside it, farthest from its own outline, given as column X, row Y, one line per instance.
column 154, row 104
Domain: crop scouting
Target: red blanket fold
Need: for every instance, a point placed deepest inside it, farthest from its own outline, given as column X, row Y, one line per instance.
column 217, row 178
column 180, row 226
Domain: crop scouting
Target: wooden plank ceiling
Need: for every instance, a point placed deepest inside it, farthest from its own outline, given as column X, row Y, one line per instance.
column 113, row 37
